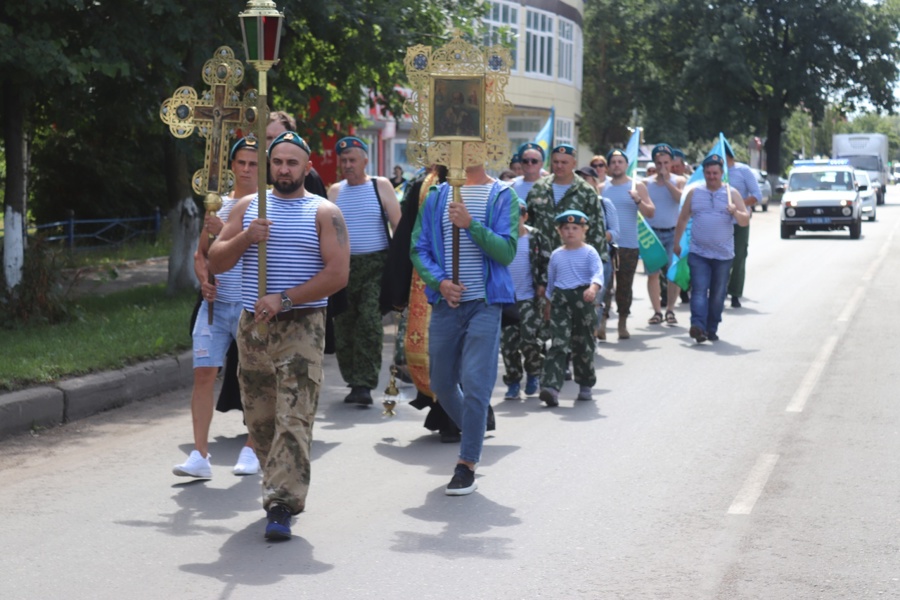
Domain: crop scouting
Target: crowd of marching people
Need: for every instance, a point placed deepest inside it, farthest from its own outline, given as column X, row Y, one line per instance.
column 540, row 258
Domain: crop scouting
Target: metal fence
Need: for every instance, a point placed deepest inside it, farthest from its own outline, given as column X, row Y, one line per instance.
column 86, row 234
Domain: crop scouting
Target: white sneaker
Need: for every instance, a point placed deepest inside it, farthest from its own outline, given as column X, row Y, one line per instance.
column 194, row 466
column 247, row 463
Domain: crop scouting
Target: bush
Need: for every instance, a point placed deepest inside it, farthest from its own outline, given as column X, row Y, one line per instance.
column 41, row 296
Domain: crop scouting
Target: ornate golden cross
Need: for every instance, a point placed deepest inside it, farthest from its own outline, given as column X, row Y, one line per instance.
column 217, row 115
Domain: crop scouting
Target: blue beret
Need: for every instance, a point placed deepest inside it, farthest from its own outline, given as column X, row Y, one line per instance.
column 515, row 159
column 244, row 142
column 616, row 152
column 530, row 146
column 661, row 149
column 290, row 137
column 676, row 153
column 572, row 216
column 351, row 142
column 713, row 159
column 564, row 149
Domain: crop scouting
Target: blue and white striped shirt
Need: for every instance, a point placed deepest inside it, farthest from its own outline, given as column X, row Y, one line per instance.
column 712, row 232
column 520, row 270
column 574, row 268
column 626, row 211
column 293, row 255
column 228, row 284
column 611, row 220
column 741, row 178
column 362, row 212
column 471, row 257
column 522, row 187
column 667, row 207
column 559, row 190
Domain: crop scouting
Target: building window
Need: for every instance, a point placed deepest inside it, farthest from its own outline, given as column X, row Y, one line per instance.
column 522, row 129
column 502, row 16
column 566, row 70
column 564, row 132
column 539, row 43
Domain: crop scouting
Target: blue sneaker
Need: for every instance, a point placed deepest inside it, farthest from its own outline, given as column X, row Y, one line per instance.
column 512, row 392
column 279, row 525
column 532, row 384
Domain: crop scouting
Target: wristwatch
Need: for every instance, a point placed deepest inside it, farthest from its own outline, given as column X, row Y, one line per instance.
column 286, row 303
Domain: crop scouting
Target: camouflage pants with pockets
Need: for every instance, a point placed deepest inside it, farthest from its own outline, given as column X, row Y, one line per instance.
column 628, row 262
column 524, row 341
column 358, row 332
column 572, row 322
column 280, row 374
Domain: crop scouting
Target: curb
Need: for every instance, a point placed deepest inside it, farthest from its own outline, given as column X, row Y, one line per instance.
column 72, row 399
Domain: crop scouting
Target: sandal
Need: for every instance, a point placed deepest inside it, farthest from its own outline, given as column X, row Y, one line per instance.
column 670, row 318
column 656, row 319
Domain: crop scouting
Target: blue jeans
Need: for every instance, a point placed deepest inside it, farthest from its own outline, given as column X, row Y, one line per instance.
column 463, row 343
column 709, row 286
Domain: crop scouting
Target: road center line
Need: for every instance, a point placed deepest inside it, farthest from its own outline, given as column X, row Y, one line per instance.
column 798, row 401
column 753, row 485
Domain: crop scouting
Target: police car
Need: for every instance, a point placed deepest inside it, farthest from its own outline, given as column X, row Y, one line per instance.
column 821, row 195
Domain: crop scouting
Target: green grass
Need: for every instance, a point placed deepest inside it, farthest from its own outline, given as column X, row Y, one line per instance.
column 138, row 249
column 110, row 332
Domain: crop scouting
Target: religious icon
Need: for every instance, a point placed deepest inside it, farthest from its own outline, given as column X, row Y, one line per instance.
column 458, row 110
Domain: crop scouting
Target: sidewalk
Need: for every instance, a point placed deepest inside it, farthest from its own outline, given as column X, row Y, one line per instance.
column 70, row 399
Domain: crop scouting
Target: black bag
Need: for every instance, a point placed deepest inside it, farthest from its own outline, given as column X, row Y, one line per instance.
column 510, row 315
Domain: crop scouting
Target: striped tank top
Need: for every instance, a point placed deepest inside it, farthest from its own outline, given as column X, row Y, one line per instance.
column 228, row 284
column 471, row 257
column 712, row 232
column 559, row 190
column 362, row 212
column 293, row 254
column 520, row 269
column 667, row 208
column 627, row 212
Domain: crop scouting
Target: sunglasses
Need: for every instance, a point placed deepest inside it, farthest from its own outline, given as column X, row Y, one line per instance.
column 598, row 165
column 530, row 161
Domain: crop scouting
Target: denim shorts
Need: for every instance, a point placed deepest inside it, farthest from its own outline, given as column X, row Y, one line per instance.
column 211, row 341
column 667, row 238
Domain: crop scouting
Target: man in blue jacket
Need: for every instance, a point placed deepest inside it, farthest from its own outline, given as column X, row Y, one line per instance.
column 464, row 333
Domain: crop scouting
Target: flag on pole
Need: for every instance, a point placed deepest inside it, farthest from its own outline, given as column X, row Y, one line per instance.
column 718, row 148
column 544, row 138
column 631, row 153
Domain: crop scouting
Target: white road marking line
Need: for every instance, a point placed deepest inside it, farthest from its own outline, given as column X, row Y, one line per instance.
column 753, row 485
column 798, row 401
column 852, row 304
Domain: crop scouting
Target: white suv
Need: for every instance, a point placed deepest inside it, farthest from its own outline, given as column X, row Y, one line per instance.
column 821, row 196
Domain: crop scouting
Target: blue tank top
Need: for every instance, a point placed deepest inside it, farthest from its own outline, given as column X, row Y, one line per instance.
column 293, row 255
column 712, row 231
column 362, row 212
column 228, row 284
column 667, row 208
column 627, row 212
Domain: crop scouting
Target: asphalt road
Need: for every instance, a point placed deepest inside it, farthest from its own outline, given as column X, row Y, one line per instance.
column 765, row 466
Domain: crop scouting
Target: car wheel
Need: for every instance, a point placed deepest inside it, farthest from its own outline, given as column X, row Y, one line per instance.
column 872, row 217
column 856, row 228
column 786, row 231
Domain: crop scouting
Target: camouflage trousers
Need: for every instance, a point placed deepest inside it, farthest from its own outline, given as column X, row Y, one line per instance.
column 524, row 341
column 572, row 322
column 628, row 262
column 358, row 332
column 280, row 374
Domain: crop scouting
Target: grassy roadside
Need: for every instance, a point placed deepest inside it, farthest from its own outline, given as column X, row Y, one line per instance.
column 110, row 332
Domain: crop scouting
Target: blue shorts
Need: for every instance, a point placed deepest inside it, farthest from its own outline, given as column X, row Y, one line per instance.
column 211, row 341
column 667, row 238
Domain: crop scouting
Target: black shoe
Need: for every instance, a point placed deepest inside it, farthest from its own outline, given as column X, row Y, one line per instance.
column 463, row 481
column 685, row 297
column 450, row 436
column 549, row 396
column 359, row 395
column 279, row 525
column 568, row 374
column 698, row 334
column 713, row 337
column 403, row 374
column 735, row 302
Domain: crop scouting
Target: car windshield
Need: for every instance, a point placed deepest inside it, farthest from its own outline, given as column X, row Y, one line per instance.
column 864, row 163
column 838, row 181
column 862, row 178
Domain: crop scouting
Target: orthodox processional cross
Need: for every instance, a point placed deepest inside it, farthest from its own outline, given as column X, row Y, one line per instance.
column 217, row 115
column 457, row 108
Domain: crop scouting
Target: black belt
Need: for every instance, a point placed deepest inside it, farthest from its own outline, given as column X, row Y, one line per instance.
column 663, row 230
column 293, row 314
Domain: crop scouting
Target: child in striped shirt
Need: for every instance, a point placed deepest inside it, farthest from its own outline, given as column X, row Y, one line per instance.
column 574, row 278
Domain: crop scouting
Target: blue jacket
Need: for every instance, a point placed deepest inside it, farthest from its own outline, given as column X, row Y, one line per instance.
column 497, row 236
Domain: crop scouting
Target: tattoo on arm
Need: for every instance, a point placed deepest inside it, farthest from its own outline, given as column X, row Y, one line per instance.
column 340, row 229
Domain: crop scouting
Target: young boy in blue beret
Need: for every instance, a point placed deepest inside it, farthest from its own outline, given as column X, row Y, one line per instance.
column 574, row 278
